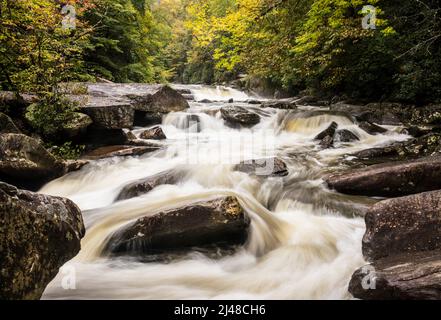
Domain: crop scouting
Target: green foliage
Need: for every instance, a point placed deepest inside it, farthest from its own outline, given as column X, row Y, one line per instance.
column 127, row 43
column 66, row 151
column 50, row 114
column 36, row 52
column 318, row 45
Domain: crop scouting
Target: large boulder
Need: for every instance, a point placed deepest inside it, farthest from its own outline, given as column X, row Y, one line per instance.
column 237, row 116
column 217, row 222
column 24, row 161
column 400, row 225
column 390, row 179
column 272, row 167
column 39, row 233
column 158, row 99
column 413, row 276
column 7, row 125
column 109, row 113
column 143, row 186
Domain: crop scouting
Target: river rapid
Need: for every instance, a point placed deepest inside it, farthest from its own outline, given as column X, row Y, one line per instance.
column 304, row 241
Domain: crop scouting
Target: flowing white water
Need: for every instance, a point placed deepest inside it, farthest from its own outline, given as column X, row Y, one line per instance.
column 304, row 242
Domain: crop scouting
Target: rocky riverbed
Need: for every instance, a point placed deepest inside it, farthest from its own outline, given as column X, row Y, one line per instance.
column 205, row 192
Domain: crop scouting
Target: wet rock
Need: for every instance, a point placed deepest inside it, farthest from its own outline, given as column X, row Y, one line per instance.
column 307, row 101
column 286, row 104
column 253, row 101
column 120, row 151
column 239, row 116
column 427, row 145
column 7, row 125
column 155, row 133
column 390, row 179
column 400, row 225
column 345, row 135
column 231, row 100
column 188, row 97
column 205, row 101
column 39, row 233
column 371, row 128
column 273, row 167
column 382, row 113
column 327, row 142
column 25, row 163
column 407, row 276
column 329, row 131
column 143, row 186
column 217, row 222
column 74, row 165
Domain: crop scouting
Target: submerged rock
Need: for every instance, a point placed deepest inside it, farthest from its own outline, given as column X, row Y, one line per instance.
column 345, row 135
column 326, row 137
column 408, row 276
column 143, row 186
column 217, row 222
column 155, row 133
column 120, row 151
column 240, row 116
column 329, row 131
column 371, row 128
column 39, row 233
column 25, row 163
column 400, row 225
column 273, row 167
column 390, row 179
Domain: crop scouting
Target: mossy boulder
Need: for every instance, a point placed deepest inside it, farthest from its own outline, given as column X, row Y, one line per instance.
column 39, row 233
column 25, row 163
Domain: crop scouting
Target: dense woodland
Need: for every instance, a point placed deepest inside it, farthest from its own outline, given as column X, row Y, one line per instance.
column 303, row 46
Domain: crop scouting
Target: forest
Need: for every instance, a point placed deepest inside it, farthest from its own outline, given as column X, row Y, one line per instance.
column 319, row 46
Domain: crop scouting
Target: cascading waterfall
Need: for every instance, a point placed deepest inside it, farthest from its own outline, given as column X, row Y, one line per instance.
column 304, row 242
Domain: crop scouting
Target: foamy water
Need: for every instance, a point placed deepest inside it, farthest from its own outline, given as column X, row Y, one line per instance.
column 304, row 241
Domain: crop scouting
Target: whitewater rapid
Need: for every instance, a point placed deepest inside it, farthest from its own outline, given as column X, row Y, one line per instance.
column 304, row 242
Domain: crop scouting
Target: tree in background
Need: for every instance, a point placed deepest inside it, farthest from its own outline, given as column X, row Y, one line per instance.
column 36, row 51
column 128, row 41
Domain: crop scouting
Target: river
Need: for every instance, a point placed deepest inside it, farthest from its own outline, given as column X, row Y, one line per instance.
column 304, row 241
